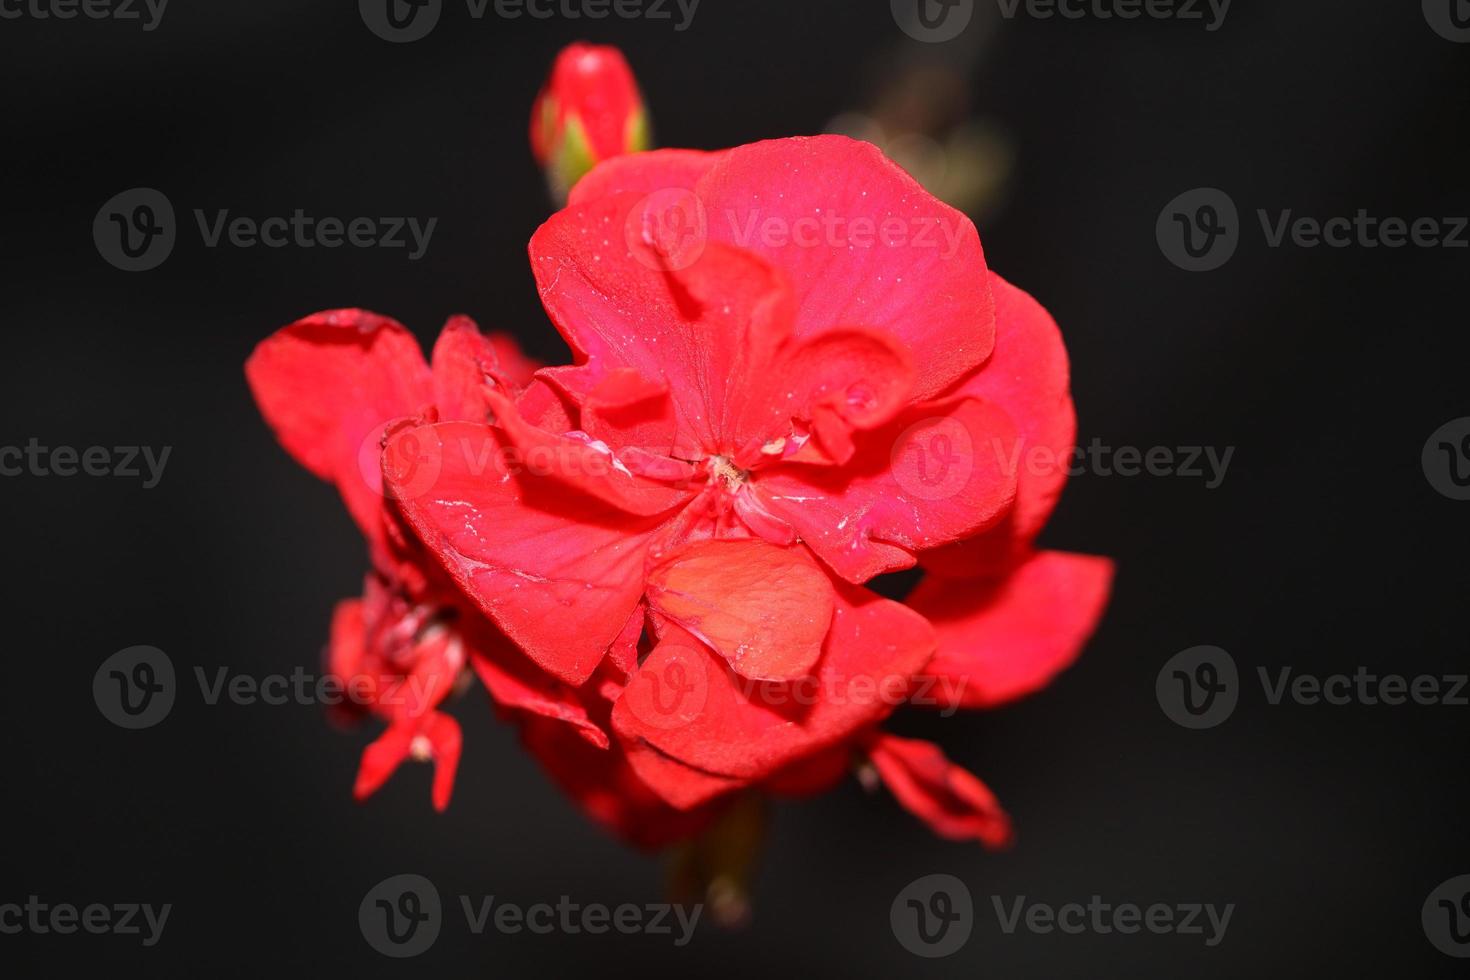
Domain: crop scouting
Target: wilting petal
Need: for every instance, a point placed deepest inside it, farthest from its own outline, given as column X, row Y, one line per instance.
column 558, row 570
column 685, row 701
column 948, row 798
column 327, row 384
column 435, row 737
column 863, row 245
column 1028, row 377
column 764, row 609
column 1004, row 637
column 931, row 476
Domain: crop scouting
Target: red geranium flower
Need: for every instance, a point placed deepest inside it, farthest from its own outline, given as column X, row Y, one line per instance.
column 793, row 372
column 781, row 391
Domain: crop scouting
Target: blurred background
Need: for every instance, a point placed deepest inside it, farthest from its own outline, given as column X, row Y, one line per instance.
column 1324, row 548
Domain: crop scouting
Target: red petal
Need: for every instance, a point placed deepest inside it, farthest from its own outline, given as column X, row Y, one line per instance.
column 581, row 463
column 515, row 365
column 764, row 609
column 933, row 475
column 922, row 280
column 347, row 647
column 689, row 330
column 685, row 702
column 1004, row 637
column 445, row 742
column 1028, row 377
column 681, row 786
column 842, row 379
column 327, row 384
column 949, row 799
column 464, row 363
column 559, row 571
column 380, row 759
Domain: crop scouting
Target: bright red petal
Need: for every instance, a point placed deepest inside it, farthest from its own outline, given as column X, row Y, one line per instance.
column 1028, row 377
column 559, row 571
column 685, row 702
column 863, row 245
column 765, row 609
column 464, row 363
column 933, row 475
column 581, row 463
column 327, row 384
column 946, row 797
column 694, row 330
column 1004, row 637
column 436, row 738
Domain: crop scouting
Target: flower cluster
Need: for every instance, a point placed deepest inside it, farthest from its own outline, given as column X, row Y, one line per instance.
column 656, row 558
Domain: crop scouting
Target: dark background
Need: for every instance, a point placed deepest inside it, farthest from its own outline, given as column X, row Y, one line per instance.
column 1324, row 549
